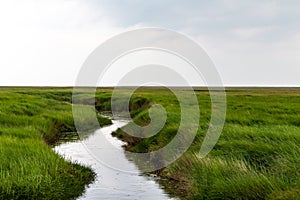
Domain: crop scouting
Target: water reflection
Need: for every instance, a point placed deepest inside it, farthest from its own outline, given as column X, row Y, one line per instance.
column 111, row 183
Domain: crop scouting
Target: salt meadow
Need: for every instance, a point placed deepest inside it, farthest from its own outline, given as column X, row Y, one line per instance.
column 256, row 157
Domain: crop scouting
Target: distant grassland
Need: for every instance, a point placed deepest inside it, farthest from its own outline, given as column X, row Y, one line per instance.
column 256, row 157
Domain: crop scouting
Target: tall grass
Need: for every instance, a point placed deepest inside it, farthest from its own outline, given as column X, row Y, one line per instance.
column 30, row 119
column 256, row 157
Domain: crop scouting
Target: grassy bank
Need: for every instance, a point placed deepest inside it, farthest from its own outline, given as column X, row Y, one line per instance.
column 256, row 157
column 31, row 119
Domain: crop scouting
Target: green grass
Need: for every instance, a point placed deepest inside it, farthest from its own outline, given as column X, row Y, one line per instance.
column 30, row 120
column 256, row 157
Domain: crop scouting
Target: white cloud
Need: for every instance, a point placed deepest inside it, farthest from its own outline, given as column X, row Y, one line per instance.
column 44, row 42
column 251, row 62
column 251, row 32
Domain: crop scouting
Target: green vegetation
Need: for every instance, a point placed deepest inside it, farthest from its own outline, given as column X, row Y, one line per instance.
column 256, row 157
column 30, row 119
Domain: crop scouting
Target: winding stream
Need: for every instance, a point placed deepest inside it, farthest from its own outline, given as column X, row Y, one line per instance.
column 111, row 183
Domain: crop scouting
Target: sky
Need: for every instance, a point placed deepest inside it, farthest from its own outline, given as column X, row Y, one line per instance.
column 252, row 43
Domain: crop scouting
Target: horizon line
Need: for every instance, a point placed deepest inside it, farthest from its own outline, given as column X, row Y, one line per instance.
column 129, row 86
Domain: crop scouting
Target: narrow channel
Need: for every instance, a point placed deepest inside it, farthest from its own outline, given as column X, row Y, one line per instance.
column 111, row 183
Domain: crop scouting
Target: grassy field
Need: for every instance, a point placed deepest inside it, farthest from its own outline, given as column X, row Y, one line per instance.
column 256, row 157
column 30, row 121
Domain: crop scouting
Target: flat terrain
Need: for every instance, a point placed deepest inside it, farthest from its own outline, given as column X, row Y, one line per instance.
column 30, row 121
column 256, row 157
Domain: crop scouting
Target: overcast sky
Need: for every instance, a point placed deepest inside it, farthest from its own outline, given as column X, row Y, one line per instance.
column 44, row 42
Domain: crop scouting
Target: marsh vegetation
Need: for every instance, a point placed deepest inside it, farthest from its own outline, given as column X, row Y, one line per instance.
column 256, row 157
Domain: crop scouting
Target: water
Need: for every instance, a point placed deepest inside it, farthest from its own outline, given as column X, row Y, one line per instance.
column 111, row 183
